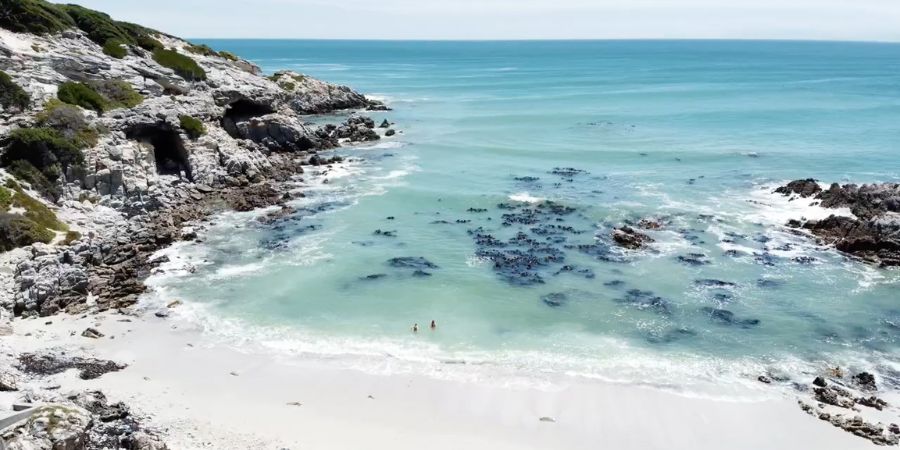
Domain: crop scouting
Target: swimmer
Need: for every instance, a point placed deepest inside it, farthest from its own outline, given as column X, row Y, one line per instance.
column 433, row 325
column 415, row 328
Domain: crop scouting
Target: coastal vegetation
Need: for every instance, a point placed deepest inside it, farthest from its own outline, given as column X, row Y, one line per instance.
column 117, row 93
column 287, row 80
column 25, row 220
column 184, row 66
column 41, row 17
column 99, row 96
column 229, row 56
column 69, row 120
column 12, row 96
column 82, row 95
column 39, row 156
column 34, row 16
column 202, row 49
column 191, row 126
column 115, row 48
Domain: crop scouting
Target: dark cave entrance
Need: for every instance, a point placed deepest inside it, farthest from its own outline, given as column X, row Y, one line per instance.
column 240, row 111
column 168, row 149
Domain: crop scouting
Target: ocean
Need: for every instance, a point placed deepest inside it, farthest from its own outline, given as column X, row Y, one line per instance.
column 491, row 213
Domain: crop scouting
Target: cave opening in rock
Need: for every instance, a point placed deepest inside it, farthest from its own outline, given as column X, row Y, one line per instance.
column 169, row 153
column 240, row 111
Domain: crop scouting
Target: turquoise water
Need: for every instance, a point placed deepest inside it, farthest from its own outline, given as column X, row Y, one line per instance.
column 696, row 134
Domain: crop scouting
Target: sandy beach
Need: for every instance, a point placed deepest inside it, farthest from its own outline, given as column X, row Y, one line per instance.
column 203, row 395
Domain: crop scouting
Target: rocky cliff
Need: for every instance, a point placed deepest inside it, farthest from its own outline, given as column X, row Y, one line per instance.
column 121, row 129
column 112, row 138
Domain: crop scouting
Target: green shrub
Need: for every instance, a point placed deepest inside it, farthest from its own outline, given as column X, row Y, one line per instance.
column 41, row 17
column 18, row 231
column 5, row 199
column 39, row 156
column 116, row 48
column 117, row 93
column 183, row 66
column 229, row 56
column 34, row 16
column 42, row 147
column 100, row 95
column 202, row 49
column 69, row 120
column 192, row 127
column 143, row 37
column 35, row 210
column 23, row 170
column 82, row 95
column 12, row 96
column 71, row 236
column 98, row 26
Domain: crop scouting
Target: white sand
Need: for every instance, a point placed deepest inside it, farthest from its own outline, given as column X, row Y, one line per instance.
column 191, row 393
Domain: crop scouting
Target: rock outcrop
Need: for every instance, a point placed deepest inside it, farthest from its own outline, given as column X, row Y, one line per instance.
column 630, row 238
column 871, row 233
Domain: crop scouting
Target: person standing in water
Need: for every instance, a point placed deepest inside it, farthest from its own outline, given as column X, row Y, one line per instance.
column 433, row 325
column 415, row 328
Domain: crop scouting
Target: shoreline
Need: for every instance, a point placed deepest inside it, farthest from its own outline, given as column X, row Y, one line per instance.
column 200, row 394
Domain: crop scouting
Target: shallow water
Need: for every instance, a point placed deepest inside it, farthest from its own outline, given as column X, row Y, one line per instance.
column 696, row 134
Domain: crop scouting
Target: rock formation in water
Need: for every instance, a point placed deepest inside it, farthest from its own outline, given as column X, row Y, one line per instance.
column 872, row 233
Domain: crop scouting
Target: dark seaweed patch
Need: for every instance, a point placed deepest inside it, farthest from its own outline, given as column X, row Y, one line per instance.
column 693, row 259
column 411, row 262
column 646, row 300
column 555, row 299
column 374, row 276
column 726, row 317
column 669, row 336
column 709, row 282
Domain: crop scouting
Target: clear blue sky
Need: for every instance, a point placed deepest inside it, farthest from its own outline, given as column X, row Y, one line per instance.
column 515, row 19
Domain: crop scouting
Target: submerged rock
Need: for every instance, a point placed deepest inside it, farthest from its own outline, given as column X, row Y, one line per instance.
column 725, row 317
column 630, row 238
column 412, row 262
column 555, row 299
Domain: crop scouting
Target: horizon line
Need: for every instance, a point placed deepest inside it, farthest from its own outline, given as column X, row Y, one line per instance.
column 811, row 40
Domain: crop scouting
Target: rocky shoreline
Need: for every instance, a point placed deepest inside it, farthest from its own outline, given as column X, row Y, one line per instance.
column 157, row 149
column 870, row 232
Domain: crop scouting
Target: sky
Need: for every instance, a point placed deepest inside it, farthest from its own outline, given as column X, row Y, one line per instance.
column 868, row 20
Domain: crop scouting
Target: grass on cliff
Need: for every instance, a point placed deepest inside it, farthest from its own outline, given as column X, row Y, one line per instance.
column 36, row 211
column 34, row 16
column 41, row 17
column 35, row 224
column 115, row 48
column 40, row 156
column 82, row 95
column 117, row 93
column 69, row 120
column 184, row 66
column 229, row 56
column 101, row 28
column 18, row 231
column 12, row 96
column 192, row 127
column 100, row 95
column 202, row 49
